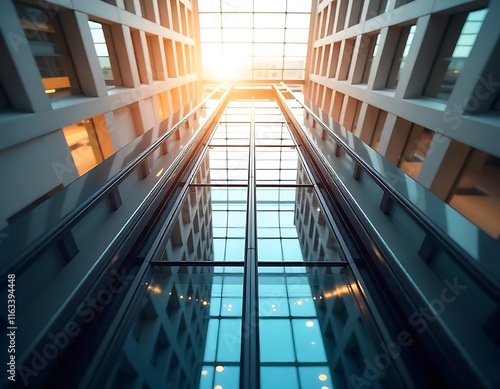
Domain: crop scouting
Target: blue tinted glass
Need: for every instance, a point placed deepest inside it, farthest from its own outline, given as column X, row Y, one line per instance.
column 279, row 377
column 274, row 347
column 308, row 340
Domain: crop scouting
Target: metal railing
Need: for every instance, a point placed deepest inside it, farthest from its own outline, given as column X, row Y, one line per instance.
column 463, row 259
column 51, row 236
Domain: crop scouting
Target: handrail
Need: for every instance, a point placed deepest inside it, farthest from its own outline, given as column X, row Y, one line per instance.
column 462, row 257
column 47, row 238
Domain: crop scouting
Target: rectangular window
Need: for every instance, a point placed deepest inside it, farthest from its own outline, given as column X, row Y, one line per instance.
column 477, row 193
column 415, row 151
column 454, row 51
column 402, row 50
column 379, row 127
column 105, row 49
column 372, row 51
column 46, row 39
column 154, row 57
column 139, row 56
column 84, row 144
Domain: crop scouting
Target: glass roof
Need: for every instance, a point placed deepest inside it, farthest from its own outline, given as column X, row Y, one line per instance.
column 254, row 39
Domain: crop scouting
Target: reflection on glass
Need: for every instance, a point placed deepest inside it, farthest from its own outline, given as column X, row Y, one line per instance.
column 223, row 165
column 210, row 226
column 47, row 43
column 278, row 165
column 183, row 335
column 105, row 50
column 231, row 134
column 415, row 151
column 291, row 227
column 453, row 55
column 313, row 331
column 84, row 144
column 272, row 134
column 402, row 50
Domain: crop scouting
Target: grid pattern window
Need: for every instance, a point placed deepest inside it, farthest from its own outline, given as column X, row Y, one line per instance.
column 255, row 40
column 48, row 45
column 454, row 52
column 190, row 328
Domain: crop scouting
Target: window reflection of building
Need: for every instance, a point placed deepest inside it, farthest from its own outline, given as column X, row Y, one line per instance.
column 46, row 40
column 84, row 144
column 312, row 332
column 191, row 237
column 105, row 50
column 167, row 337
column 455, row 49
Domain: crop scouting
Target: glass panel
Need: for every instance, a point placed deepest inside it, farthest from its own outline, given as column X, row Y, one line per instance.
column 291, row 227
column 231, row 134
column 267, row 35
column 223, row 165
column 279, row 165
column 415, row 151
column 402, row 50
column 272, row 134
column 210, row 226
column 109, row 69
column 184, row 334
column 476, row 194
column 263, row 23
column 297, row 35
column 236, row 20
column 83, row 142
column 312, row 329
column 47, row 43
column 449, row 64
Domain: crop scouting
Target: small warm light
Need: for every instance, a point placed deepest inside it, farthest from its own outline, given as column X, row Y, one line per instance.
column 325, row 387
column 189, row 298
column 169, row 293
column 219, row 369
column 318, row 209
column 205, row 302
column 159, row 172
column 49, row 91
column 181, row 296
column 154, row 289
column 314, row 298
column 204, row 372
column 218, row 387
column 456, row 71
column 321, row 297
column 310, row 324
column 322, row 377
